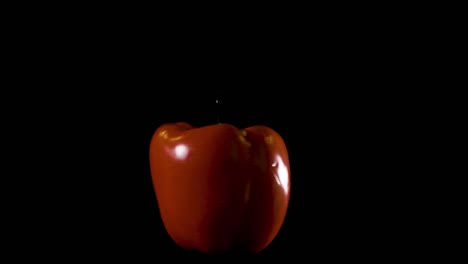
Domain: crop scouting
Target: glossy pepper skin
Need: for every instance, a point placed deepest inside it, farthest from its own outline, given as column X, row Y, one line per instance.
column 220, row 188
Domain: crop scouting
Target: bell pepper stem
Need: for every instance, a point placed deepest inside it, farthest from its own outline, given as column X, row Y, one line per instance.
column 218, row 107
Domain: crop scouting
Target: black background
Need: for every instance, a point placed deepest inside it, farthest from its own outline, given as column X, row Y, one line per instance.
column 341, row 102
